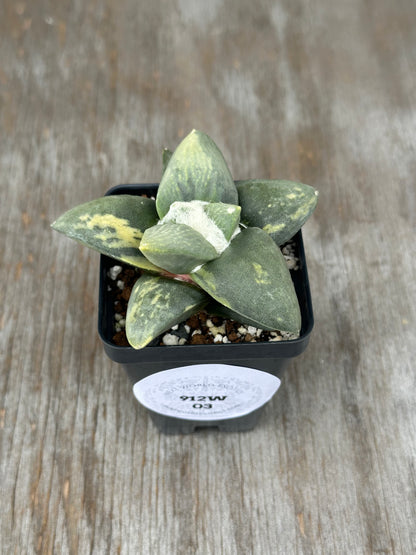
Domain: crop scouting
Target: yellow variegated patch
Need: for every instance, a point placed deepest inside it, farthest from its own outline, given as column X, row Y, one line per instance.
column 273, row 228
column 110, row 229
column 261, row 276
column 112, row 225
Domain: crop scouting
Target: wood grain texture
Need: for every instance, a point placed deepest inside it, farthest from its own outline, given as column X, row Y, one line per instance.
column 324, row 93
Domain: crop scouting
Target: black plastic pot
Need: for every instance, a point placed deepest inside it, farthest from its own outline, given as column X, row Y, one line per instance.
column 271, row 357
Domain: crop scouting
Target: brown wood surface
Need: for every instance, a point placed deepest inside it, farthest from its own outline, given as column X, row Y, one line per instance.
column 323, row 92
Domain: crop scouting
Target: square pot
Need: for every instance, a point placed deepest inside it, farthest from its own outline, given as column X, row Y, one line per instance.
column 269, row 357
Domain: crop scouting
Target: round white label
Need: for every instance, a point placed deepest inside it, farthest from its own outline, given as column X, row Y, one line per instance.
column 206, row 391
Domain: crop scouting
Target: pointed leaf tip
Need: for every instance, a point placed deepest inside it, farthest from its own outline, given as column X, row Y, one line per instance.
column 166, row 156
column 196, row 171
column 279, row 207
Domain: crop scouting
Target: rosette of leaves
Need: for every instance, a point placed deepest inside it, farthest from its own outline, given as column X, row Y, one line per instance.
column 205, row 240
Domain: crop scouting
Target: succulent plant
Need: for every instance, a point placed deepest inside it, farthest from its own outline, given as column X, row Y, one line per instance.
column 206, row 241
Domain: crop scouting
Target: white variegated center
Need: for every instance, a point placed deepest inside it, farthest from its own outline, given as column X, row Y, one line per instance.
column 193, row 215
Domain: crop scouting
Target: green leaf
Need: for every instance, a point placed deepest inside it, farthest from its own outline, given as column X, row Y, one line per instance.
column 196, row 171
column 158, row 303
column 166, row 156
column 225, row 216
column 112, row 225
column 176, row 247
column 279, row 207
column 251, row 278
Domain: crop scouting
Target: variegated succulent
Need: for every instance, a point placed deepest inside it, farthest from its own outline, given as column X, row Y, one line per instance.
column 206, row 241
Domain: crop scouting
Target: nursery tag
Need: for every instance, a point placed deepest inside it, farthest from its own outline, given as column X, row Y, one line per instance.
column 206, row 391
